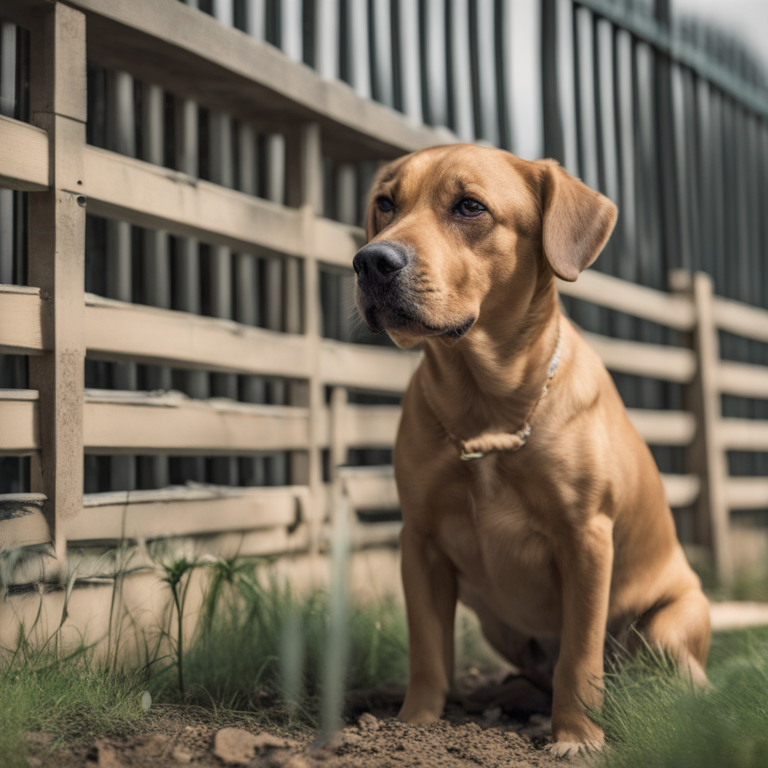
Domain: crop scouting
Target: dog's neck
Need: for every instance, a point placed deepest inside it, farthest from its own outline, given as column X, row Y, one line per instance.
column 492, row 378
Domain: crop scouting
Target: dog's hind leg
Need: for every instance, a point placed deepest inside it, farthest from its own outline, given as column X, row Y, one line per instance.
column 681, row 629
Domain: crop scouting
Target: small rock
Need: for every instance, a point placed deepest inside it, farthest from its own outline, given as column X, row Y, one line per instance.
column 105, row 755
column 234, row 746
column 295, row 761
column 154, row 746
column 267, row 741
column 368, row 722
column 181, row 755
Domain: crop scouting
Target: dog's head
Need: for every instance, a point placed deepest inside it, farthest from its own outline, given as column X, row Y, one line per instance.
column 456, row 230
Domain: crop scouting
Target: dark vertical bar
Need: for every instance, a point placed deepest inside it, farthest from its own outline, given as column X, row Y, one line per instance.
column 500, row 11
column 577, row 91
column 599, row 135
column 554, row 145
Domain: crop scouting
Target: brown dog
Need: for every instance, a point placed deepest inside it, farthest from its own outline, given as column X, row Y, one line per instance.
column 556, row 523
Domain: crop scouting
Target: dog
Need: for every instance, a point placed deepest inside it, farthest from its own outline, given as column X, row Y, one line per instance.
column 525, row 490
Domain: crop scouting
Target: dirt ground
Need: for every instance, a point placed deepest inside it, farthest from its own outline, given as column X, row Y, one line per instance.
column 471, row 734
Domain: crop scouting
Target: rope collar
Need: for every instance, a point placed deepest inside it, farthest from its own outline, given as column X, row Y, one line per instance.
column 488, row 442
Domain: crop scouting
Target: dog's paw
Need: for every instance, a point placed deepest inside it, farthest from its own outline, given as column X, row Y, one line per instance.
column 573, row 748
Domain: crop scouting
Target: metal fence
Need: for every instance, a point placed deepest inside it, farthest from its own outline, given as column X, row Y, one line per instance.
column 186, row 208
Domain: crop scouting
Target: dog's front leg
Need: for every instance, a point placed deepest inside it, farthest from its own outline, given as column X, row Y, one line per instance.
column 585, row 558
column 429, row 580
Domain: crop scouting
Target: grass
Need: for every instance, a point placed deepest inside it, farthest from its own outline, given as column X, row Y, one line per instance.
column 258, row 647
column 259, row 644
column 653, row 719
column 69, row 695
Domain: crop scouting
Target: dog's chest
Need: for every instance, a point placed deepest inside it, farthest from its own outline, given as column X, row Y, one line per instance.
column 502, row 553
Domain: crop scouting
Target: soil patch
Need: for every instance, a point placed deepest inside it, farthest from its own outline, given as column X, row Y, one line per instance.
column 177, row 737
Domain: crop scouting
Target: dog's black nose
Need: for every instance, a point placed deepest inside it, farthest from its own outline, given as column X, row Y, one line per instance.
column 380, row 261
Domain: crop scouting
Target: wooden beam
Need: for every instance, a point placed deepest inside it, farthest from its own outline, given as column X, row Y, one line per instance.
column 169, row 423
column 743, row 379
column 336, row 243
column 57, row 260
column 185, row 511
column 117, row 330
column 151, row 196
column 23, row 156
column 663, row 427
column 681, row 490
column 641, row 359
column 746, row 492
column 369, row 426
column 370, row 487
column 740, row 319
column 708, row 459
column 20, row 320
column 192, row 55
column 367, row 367
column 743, row 435
column 19, row 422
column 673, row 311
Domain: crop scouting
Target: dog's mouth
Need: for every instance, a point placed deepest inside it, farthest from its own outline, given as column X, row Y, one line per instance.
column 380, row 319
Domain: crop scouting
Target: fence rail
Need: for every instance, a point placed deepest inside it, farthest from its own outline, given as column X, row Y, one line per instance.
column 219, row 345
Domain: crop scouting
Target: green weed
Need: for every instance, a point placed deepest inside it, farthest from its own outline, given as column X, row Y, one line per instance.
column 259, row 642
column 66, row 694
column 652, row 718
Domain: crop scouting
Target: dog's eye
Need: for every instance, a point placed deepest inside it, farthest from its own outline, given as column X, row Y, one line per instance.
column 385, row 204
column 470, row 207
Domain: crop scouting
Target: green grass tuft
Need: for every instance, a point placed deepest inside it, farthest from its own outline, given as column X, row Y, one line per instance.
column 260, row 644
column 67, row 695
column 653, row 719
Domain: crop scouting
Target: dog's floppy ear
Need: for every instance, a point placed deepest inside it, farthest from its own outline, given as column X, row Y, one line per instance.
column 576, row 221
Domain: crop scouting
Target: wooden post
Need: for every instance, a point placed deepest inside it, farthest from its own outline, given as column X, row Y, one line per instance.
column 57, row 262
column 709, row 460
column 309, row 178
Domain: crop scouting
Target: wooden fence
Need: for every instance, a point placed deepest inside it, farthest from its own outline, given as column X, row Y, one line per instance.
column 266, row 392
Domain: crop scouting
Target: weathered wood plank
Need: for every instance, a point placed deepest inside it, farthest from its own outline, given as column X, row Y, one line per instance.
column 152, row 196
column 370, row 487
column 681, row 490
column 746, row 492
column 743, row 379
column 674, row 311
column 118, row 330
column 709, row 461
column 170, row 423
column 369, row 426
column 741, row 319
column 185, row 511
column 663, row 427
column 191, row 54
column 641, row 359
column 20, row 320
column 365, row 367
column 19, row 421
column 743, row 434
column 23, row 156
